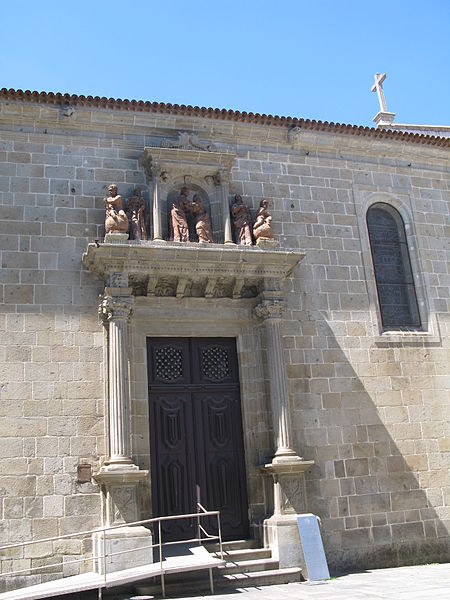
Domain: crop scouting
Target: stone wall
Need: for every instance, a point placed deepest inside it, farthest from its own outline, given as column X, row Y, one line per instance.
column 370, row 409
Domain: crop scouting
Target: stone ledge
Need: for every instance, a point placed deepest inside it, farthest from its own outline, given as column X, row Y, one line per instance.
column 172, row 268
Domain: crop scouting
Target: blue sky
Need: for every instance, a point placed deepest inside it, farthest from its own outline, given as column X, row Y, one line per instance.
column 314, row 59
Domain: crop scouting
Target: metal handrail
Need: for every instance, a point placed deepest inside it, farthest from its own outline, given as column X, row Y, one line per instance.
column 201, row 512
column 209, row 513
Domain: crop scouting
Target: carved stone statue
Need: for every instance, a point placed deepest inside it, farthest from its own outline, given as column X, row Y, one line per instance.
column 202, row 221
column 262, row 229
column 241, row 221
column 137, row 216
column 179, row 230
column 116, row 220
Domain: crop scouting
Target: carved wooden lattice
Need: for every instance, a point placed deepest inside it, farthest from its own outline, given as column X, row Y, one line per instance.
column 215, row 363
column 169, row 363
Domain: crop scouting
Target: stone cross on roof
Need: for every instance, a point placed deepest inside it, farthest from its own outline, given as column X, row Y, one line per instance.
column 383, row 117
column 378, row 88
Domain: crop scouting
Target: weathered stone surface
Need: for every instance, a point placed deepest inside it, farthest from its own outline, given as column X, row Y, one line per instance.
column 370, row 409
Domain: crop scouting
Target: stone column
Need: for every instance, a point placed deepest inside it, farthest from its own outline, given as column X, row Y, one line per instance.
column 287, row 469
column 157, row 229
column 119, row 477
column 117, row 309
column 271, row 311
column 226, row 216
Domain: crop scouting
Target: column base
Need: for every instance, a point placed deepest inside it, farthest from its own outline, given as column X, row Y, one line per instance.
column 282, row 537
column 281, row 530
column 134, row 542
column 120, row 488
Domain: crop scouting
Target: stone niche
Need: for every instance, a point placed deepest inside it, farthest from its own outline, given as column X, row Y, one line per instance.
column 204, row 171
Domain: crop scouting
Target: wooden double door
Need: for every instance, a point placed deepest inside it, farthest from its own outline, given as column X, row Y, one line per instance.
column 196, row 442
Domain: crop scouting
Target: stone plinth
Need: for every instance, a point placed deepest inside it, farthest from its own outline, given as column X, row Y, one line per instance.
column 281, row 530
column 116, row 238
column 119, row 484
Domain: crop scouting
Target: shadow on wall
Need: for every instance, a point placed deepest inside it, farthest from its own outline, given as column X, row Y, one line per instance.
column 378, row 499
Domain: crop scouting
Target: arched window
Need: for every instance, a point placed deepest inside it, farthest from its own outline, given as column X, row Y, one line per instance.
column 392, row 266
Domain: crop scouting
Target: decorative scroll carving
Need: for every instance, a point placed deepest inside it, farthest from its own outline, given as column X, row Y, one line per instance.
column 165, row 287
column 294, row 134
column 115, row 307
column 292, row 494
column 123, row 504
column 270, row 309
column 189, row 141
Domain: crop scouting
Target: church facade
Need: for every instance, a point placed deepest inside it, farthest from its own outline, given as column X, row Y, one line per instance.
column 300, row 371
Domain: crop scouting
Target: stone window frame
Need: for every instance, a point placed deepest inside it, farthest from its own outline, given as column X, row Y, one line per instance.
column 403, row 277
column 401, row 201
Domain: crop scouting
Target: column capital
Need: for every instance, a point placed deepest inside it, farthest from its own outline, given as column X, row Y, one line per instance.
column 113, row 307
column 223, row 176
column 270, row 308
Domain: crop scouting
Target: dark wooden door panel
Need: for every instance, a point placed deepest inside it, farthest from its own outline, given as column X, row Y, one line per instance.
column 168, row 361
column 172, row 461
column 223, row 484
column 196, row 434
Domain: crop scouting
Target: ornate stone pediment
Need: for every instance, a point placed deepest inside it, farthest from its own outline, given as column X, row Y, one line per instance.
column 179, row 270
column 188, row 141
column 190, row 160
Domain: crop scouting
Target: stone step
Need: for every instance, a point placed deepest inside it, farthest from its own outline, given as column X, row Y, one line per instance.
column 259, row 578
column 234, row 545
column 249, row 566
column 245, row 554
column 223, row 582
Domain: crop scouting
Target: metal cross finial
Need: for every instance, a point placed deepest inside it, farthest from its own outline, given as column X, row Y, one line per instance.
column 379, row 78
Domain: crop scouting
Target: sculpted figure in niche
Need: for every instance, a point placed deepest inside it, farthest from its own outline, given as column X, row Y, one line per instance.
column 116, row 220
column 241, row 221
column 262, row 229
column 202, row 221
column 137, row 216
column 179, row 230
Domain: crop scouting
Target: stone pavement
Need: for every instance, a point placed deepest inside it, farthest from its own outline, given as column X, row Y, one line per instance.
column 426, row 582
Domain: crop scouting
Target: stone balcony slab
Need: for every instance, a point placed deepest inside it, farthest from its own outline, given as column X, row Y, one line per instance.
column 189, row 269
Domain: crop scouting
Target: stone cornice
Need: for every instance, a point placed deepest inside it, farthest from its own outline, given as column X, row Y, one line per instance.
column 64, row 100
column 174, row 269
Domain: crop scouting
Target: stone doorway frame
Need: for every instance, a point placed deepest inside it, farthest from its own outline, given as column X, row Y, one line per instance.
column 179, row 285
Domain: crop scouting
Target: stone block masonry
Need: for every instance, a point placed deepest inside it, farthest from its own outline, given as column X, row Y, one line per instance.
column 370, row 408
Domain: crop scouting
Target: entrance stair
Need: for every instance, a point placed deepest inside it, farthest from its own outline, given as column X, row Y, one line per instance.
column 246, row 565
